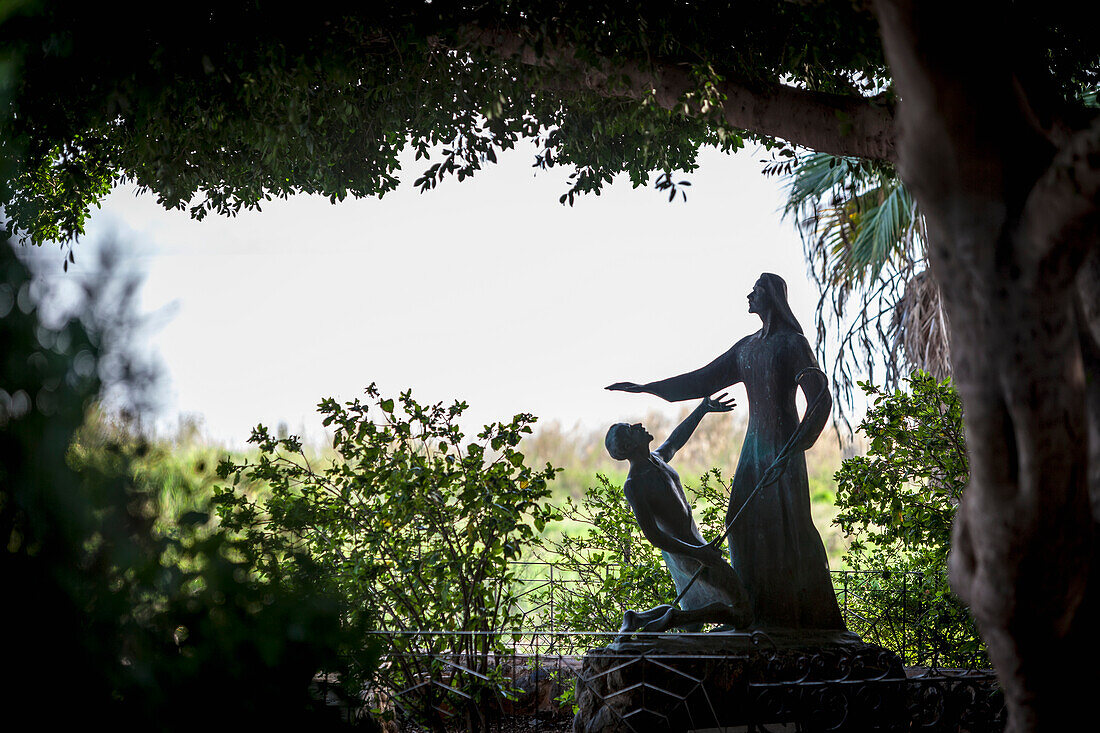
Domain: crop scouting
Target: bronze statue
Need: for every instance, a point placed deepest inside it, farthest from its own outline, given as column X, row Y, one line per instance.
column 708, row 586
column 774, row 547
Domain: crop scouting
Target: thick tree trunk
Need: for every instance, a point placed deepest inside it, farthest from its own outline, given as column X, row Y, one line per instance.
column 1012, row 216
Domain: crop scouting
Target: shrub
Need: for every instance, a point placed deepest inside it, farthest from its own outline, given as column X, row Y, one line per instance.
column 899, row 502
column 106, row 618
column 416, row 529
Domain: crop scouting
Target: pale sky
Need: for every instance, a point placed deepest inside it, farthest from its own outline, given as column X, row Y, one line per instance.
column 487, row 290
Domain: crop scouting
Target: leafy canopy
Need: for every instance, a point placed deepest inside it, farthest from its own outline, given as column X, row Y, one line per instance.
column 232, row 104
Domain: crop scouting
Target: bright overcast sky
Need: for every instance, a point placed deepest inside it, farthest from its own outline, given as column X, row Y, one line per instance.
column 487, row 290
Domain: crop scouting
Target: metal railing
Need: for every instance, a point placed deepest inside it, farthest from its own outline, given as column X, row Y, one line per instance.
column 455, row 680
column 521, row 680
column 903, row 612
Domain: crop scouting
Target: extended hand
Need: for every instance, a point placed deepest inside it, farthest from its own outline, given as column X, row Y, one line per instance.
column 718, row 404
column 774, row 471
column 624, row 387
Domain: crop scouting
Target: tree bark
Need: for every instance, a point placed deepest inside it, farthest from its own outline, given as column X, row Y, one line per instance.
column 846, row 125
column 1012, row 217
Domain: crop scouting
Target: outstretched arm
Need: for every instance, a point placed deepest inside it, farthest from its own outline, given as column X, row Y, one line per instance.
column 720, row 373
column 680, row 436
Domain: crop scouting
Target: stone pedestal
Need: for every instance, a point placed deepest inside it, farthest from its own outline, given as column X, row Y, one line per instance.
column 681, row 682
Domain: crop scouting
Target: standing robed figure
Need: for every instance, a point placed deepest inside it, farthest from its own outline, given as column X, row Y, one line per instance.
column 774, row 546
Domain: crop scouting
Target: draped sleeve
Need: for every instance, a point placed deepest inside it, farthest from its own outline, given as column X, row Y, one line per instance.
column 797, row 360
column 704, row 381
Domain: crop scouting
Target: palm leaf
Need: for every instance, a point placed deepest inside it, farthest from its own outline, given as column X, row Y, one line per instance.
column 864, row 239
column 883, row 231
column 919, row 326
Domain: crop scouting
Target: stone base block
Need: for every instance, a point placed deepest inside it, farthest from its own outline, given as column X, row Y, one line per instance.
column 682, row 682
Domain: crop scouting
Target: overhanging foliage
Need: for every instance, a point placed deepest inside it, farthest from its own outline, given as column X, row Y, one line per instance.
column 230, row 105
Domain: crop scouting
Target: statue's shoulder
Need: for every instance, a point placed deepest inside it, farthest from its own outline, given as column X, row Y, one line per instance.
column 789, row 335
column 634, row 492
column 795, row 350
column 642, row 482
column 744, row 345
column 628, row 488
column 746, row 340
column 793, row 340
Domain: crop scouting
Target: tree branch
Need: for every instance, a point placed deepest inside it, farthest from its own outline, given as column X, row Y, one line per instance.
column 838, row 124
column 1062, row 213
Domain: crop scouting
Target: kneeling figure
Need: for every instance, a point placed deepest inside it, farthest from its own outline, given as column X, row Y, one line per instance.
column 657, row 498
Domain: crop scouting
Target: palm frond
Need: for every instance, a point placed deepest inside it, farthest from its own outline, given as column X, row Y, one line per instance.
column 919, row 326
column 882, row 233
column 864, row 241
column 818, row 175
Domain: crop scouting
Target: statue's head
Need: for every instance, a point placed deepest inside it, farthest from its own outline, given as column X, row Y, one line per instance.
column 768, row 299
column 766, row 292
column 624, row 440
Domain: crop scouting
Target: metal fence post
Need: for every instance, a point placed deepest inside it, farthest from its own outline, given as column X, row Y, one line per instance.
column 552, row 587
column 845, row 594
column 905, row 617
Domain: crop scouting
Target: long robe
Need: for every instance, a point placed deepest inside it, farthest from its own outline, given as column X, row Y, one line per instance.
column 774, row 545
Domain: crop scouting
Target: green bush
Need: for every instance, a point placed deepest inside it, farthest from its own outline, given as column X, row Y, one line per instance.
column 899, row 502
column 105, row 617
column 417, row 530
